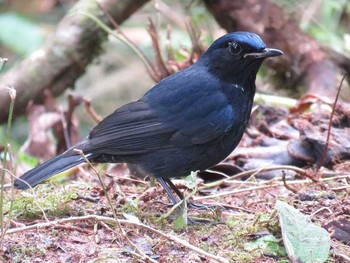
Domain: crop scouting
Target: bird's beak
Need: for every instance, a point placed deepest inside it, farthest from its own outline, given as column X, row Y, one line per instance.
column 266, row 53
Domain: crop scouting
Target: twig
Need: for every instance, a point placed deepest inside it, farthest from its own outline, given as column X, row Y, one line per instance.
column 262, row 185
column 162, row 69
column 324, row 153
column 12, row 193
column 123, row 233
column 197, row 49
column 168, row 45
column 290, row 188
column 80, row 152
column 246, row 173
column 340, row 255
column 66, row 133
column 340, row 188
column 321, row 209
column 123, row 38
column 36, row 73
column 176, row 17
column 12, row 94
column 90, row 110
column 272, row 100
column 335, row 177
column 96, row 236
column 249, row 189
column 123, row 222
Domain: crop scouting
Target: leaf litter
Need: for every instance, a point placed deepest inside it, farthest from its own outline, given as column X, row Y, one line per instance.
column 244, row 206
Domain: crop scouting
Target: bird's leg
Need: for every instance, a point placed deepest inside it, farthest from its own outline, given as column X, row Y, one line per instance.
column 166, row 183
column 181, row 196
column 175, row 189
column 171, row 196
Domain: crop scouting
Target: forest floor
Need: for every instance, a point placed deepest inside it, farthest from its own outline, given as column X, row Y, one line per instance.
column 70, row 218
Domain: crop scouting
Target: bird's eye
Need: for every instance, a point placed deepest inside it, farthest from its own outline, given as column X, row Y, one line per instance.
column 234, row 48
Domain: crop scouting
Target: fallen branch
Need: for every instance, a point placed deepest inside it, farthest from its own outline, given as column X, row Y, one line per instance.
column 307, row 61
column 57, row 65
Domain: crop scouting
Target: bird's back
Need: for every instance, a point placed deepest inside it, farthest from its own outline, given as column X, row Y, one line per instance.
column 207, row 124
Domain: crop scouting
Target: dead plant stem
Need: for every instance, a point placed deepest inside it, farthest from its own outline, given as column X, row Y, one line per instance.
column 141, row 254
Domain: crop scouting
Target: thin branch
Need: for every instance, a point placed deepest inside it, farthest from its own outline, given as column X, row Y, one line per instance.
column 12, row 95
column 344, row 257
column 127, row 41
column 290, row 188
column 258, row 170
column 91, row 111
column 324, row 153
column 152, row 31
column 65, row 56
column 249, row 189
column 263, row 185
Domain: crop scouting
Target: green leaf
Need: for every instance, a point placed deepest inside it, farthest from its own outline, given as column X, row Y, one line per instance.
column 73, row 196
column 304, row 241
column 180, row 221
column 268, row 244
column 20, row 34
column 191, row 180
column 131, row 218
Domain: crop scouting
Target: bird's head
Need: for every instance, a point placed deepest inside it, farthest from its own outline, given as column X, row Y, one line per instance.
column 237, row 56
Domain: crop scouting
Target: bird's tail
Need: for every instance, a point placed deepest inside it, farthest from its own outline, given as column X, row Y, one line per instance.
column 47, row 169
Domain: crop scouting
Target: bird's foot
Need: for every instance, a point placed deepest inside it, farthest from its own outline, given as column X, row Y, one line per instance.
column 195, row 205
column 202, row 206
column 201, row 221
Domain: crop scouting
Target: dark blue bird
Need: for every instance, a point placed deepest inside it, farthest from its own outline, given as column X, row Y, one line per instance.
column 189, row 121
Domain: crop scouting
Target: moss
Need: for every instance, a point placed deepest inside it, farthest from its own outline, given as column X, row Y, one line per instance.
column 19, row 253
column 30, row 204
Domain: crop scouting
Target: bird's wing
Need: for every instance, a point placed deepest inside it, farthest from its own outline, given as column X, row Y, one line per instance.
column 180, row 111
column 131, row 129
column 194, row 104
